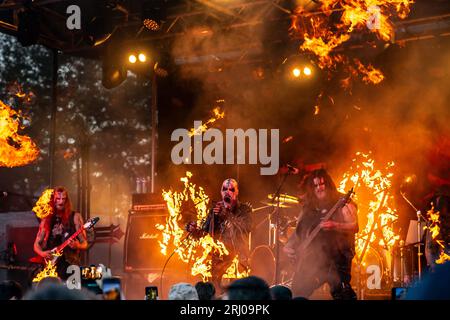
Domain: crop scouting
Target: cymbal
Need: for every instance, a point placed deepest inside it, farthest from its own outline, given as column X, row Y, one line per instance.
column 275, row 204
column 284, row 198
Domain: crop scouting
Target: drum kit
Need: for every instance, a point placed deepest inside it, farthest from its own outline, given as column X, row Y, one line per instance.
column 263, row 258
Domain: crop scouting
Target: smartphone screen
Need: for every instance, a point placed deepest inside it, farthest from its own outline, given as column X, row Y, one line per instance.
column 398, row 293
column 111, row 289
column 151, row 293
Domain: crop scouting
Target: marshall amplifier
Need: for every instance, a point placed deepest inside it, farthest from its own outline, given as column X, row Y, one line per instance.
column 142, row 251
column 147, row 202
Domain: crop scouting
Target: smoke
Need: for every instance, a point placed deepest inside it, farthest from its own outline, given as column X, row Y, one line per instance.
column 402, row 119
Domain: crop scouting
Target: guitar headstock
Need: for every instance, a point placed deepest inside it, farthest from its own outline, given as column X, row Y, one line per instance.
column 90, row 223
column 347, row 197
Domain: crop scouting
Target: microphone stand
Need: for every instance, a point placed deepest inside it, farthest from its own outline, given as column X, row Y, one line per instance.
column 419, row 232
column 277, row 221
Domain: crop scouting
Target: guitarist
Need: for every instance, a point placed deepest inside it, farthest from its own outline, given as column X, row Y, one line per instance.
column 55, row 228
column 328, row 257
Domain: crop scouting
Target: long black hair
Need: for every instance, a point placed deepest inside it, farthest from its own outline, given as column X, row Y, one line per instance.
column 330, row 186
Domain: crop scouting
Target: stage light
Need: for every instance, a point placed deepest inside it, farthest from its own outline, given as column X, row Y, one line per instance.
column 153, row 14
column 132, row 58
column 307, row 71
column 296, row 72
column 151, row 24
column 142, row 57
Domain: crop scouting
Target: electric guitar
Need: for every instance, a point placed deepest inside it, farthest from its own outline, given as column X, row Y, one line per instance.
column 312, row 235
column 57, row 251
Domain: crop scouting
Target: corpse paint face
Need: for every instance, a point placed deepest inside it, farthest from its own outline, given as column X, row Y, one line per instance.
column 229, row 192
column 60, row 200
column 320, row 188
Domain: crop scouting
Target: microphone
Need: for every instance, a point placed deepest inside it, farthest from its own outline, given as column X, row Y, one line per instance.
column 292, row 169
column 227, row 199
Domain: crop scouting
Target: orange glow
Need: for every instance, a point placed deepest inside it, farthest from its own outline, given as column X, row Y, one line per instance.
column 44, row 207
column 15, row 150
column 49, row 271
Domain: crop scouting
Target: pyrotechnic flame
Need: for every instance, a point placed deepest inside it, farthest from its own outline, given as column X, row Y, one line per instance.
column 15, row 150
column 217, row 114
column 44, row 207
column 232, row 271
column 189, row 249
column 49, row 271
column 321, row 36
column 434, row 227
column 377, row 188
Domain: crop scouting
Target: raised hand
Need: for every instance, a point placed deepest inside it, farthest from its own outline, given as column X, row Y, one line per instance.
column 218, row 209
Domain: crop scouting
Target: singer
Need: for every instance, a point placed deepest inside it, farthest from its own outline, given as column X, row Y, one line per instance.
column 230, row 222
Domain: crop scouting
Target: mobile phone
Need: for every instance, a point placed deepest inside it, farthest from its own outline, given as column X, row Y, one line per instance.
column 398, row 293
column 151, row 293
column 112, row 289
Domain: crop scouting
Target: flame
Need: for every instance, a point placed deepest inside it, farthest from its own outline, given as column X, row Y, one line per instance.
column 44, row 207
column 198, row 250
column 322, row 35
column 378, row 200
column 49, row 271
column 217, row 114
column 232, row 271
column 434, row 227
column 16, row 89
column 370, row 74
column 15, row 150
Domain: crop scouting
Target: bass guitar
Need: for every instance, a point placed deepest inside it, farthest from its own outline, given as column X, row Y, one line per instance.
column 301, row 251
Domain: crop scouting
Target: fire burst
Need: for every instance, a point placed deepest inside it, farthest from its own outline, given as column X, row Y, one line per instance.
column 189, row 248
column 434, row 227
column 376, row 197
column 49, row 271
column 217, row 114
column 321, row 36
column 15, row 150
column 44, row 206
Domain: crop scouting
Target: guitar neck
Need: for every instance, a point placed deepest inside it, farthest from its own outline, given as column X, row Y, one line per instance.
column 66, row 243
column 316, row 230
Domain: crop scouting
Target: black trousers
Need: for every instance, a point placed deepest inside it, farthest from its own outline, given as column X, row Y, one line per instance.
column 335, row 271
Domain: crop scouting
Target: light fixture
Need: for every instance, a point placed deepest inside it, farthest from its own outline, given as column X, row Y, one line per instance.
column 153, row 14
column 296, row 72
column 142, row 57
column 307, row 71
column 132, row 58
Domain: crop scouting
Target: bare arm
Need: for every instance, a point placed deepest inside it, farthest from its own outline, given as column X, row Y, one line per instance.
column 39, row 241
column 81, row 241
